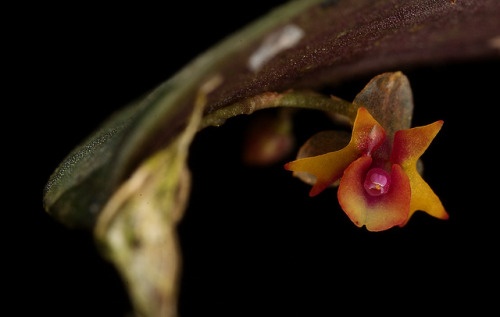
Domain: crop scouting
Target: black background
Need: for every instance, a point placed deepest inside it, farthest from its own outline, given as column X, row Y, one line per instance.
column 253, row 241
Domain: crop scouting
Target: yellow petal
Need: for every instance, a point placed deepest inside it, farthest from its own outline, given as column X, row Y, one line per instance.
column 327, row 167
column 408, row 146
column 367, row 136
column 423, row 197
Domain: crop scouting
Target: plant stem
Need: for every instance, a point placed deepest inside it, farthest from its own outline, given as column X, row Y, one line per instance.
column 298, row 99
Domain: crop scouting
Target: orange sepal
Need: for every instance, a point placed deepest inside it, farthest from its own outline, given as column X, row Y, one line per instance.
column 367, row 136
column 408, row 146
column 377, row 213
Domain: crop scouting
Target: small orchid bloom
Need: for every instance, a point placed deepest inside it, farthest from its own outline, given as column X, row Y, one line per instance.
column 379, row 183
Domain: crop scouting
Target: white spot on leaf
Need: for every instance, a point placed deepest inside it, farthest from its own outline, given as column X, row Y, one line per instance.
column 276, row 42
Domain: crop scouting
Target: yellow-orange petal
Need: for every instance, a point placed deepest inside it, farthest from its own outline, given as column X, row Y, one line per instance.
column 367, row 133
column 377, row 213
column 327, row 167
column 367, row 136
column 423, row 198
column 408, row 146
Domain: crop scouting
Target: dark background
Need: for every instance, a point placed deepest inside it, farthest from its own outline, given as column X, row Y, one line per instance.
column 253, row 241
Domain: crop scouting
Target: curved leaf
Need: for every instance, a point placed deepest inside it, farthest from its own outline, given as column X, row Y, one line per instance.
column 305, row 44
column 318, row 43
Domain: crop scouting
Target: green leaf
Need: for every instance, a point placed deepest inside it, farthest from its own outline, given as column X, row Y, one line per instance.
column 80, row 185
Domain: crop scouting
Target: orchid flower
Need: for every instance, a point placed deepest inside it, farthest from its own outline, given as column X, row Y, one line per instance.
column 380, row 186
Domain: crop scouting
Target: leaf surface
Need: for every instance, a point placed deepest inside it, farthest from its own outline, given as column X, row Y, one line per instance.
column 306, row 44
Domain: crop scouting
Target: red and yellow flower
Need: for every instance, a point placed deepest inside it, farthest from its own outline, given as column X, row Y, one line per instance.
column 380, row 186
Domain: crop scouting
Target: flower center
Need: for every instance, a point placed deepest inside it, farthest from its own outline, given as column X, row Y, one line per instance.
column 377, row 182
